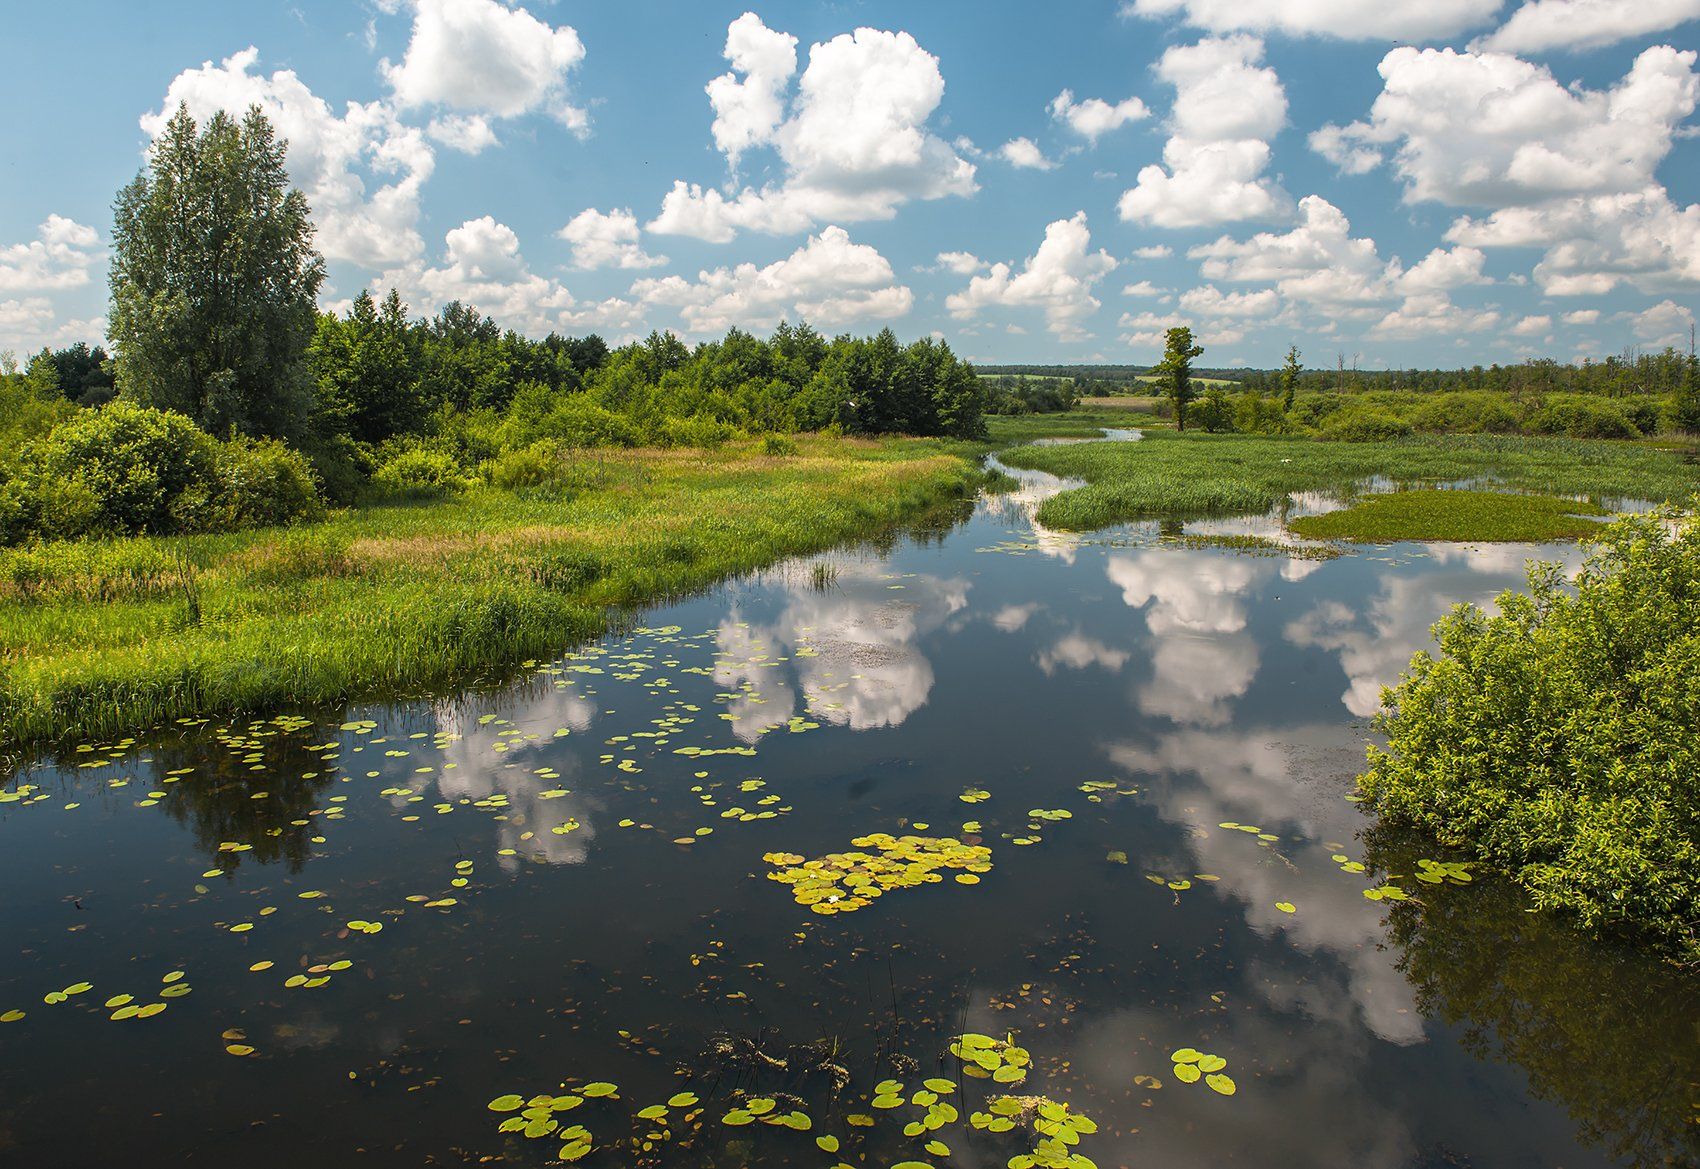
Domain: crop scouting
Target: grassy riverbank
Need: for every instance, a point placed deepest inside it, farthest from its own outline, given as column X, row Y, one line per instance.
column 100, row 638
column 1170, row 474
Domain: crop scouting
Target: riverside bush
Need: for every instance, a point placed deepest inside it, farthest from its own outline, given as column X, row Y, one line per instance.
column 125, row 469
column 1559, row 739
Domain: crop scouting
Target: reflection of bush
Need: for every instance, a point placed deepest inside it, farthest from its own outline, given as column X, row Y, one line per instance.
column 1610, row 1035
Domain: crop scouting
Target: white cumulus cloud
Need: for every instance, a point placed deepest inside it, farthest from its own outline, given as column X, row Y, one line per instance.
column 59, row 257
column 607, row 240
column 1392, row 20
column 482, row 266
column 1541, row 26
column 830, row 281
column 855, row 143
column 481, row 57
column 1095, row 117
column 1226, row 108
column 1058, row 278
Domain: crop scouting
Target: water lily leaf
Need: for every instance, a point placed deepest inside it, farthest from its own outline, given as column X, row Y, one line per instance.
column 1187, row 1073
column 506, row 1103
column 1222, row 1083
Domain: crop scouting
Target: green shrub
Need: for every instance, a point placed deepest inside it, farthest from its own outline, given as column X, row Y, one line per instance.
column 696, row 431
column 1466, row 413
column 1559, row 740
column 414, row 471
column 573, row 420
column 120, row 469
column 778, row 446
column 1583, row 418
column 545, row 469
column 1212, row 413
column 1359, row 424
column 262, row 483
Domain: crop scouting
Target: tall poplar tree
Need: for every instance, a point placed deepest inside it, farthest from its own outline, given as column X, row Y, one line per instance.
column 214, row 279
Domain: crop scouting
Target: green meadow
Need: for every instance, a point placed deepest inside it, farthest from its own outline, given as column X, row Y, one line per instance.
column 98, row 638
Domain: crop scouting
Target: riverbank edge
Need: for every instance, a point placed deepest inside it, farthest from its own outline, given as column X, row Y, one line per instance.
column 342, row 612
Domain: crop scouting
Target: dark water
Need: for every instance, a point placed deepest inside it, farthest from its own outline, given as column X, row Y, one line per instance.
column 1152, row 692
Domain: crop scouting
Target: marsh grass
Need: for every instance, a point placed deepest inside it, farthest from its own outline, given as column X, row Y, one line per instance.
column 408, row 597
column 1175, row 475
column 1481, row 516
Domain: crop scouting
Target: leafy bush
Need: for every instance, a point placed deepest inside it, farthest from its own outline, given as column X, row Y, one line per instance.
column 261, row 483
column 420, row 472
column 1358, row 424
column 126, row 469
column 1583, row 418
column 778, row 446
column 1212, row 413
column 1559, row 740
column 572, row 420
column 545, row 469
column 120, row 469
column 697, row 431
column 1466, row 413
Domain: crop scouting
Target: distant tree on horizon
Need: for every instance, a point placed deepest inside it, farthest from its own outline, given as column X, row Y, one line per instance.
column 1175, row 370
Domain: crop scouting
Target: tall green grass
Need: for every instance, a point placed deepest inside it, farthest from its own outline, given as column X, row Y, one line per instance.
column 1170, row 474
column 102, row 638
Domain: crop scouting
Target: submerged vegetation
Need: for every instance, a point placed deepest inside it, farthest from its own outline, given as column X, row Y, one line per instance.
column 1168, row 474
column 1559, row 738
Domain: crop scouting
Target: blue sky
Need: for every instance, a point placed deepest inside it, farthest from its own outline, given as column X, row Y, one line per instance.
column 1432, row 183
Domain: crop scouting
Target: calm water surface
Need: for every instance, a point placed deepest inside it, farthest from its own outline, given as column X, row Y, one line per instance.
column 569, row 874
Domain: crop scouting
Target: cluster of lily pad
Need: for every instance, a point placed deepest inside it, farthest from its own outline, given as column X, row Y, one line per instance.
column 1057, row 1127
column 1432, row 872
column 1191, row 1065
column 765, row 1110
column 539, row 1117
column 842, row 882
column 986, row 1058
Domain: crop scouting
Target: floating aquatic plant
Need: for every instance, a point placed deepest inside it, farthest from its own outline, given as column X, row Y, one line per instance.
column 1191, row 1065
column 843, row 882
column 984, row 1057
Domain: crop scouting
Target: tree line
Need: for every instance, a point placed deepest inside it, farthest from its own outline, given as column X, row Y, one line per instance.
column 225, row 373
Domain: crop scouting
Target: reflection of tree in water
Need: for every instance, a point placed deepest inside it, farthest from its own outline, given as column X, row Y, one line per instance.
column 216, row 800
column 1610, row 1035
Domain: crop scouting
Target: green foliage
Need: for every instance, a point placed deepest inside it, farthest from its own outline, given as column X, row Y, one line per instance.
column 414, row 470
column 261, row 483
column 116, row 470
column 1174, row 372
column 1454, row 515
column 381, row 597
column 214, row 279
column 1213, row 413
column 1558, row 739
column 125, row 469
column 1584, row 418
column 778, row 446
column 1170, row 474
column 1291, row 372
column 1362, row 424
column 1685, row 406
